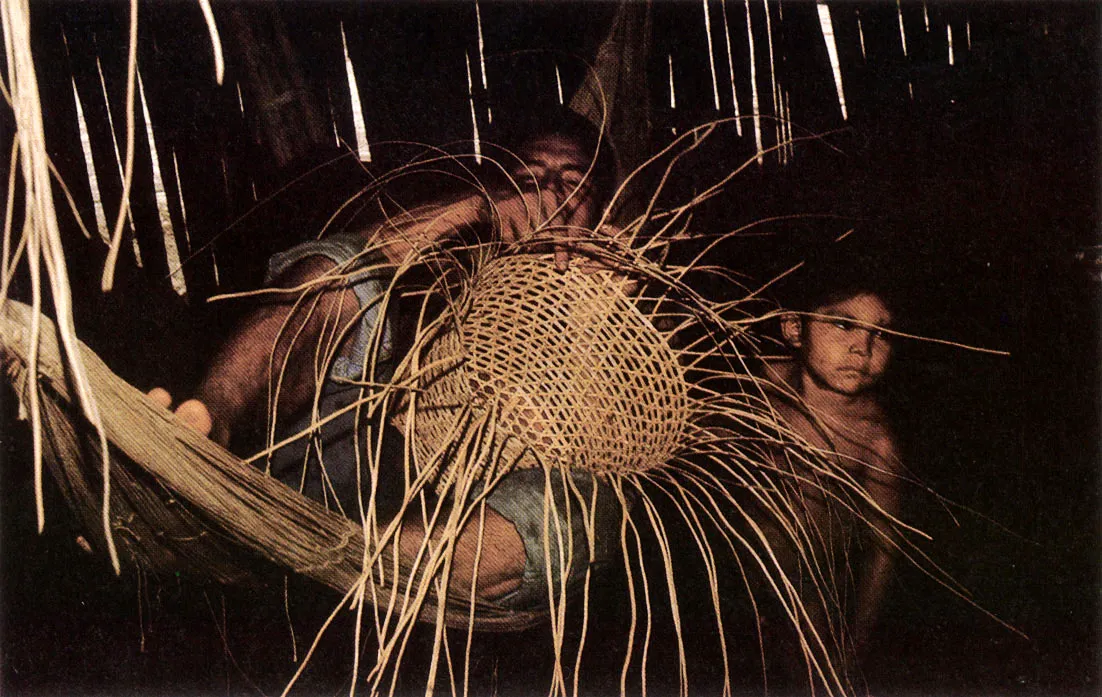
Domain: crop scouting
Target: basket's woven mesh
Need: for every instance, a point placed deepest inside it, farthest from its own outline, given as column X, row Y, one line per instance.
column 574, row 372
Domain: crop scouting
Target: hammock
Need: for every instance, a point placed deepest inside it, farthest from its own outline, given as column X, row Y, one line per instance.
column 180, row 501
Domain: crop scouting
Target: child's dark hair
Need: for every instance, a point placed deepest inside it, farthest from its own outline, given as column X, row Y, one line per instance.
column 844, row 272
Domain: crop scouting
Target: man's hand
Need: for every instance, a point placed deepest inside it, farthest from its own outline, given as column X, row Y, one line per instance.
column 522, row 216
column 192, row 413
column 593, row 260
column 518, row 215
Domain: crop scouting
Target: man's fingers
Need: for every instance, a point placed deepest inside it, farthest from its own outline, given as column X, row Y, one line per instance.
column 160, row 397
column 562, row 257
column 195, row 415
column 192, row 413
column 629, row 284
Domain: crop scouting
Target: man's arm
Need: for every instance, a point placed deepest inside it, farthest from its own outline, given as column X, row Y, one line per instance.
column 280, row 338
column 275, row 348
column 400, row 236
column 276, row 340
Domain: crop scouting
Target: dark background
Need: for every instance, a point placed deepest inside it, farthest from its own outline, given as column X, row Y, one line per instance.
column 977, row 194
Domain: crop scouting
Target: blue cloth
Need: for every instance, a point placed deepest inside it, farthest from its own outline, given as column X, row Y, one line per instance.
column 520, row 498
column 298, row 464
column 366, row 279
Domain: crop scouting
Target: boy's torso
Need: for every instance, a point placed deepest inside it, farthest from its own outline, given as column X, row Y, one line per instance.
column 858, row 440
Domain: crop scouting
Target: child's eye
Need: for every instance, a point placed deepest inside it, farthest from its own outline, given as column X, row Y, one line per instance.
column 843, row 325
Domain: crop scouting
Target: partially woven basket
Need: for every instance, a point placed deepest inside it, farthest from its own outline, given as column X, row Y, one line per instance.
column 574, row 373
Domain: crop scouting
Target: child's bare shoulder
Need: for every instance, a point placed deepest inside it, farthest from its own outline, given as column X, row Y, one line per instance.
column 881, row 439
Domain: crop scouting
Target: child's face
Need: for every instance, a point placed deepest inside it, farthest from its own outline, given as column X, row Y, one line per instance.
column 841, row 346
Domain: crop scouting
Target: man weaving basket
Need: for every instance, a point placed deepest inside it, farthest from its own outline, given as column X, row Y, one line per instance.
column 561, row 189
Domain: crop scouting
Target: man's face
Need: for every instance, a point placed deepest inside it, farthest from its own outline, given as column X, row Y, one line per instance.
column 557, row 166
column 842, row 347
